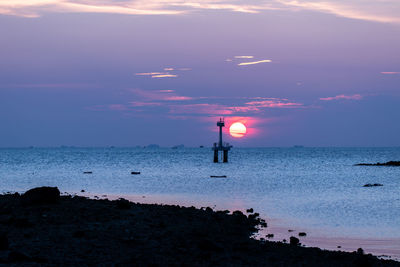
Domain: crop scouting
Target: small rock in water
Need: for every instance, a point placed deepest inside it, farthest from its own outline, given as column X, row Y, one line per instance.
column 82, row 190
column 302, row 234
column 339, row 246
column 371, row 185
column 290, row 230
column 269, row 236
column 250, row 210
column 294, row 241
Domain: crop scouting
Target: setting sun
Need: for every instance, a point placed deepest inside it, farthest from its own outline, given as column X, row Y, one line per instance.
column 237, row 130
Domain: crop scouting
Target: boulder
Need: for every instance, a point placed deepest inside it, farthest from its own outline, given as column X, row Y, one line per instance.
column 41, row 195
column 294, row 241
column 3, row 242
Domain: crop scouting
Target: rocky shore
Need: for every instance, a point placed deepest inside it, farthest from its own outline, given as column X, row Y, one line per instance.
column 42, row 228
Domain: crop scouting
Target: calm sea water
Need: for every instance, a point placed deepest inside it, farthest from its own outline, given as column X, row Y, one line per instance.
column 316, row 188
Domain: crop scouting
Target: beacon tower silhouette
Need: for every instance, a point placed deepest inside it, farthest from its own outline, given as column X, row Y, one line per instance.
column 224, row 147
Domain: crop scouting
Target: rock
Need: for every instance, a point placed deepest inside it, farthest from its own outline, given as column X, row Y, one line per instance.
column 3, row 242
column 389, row 163
column 82, row 191
column 294, row 241
column 123, row 204
column 372, row 185
column 16, row 256
column 302, row 234
column 41, row 195
column 250, row 210
column 269, row 236
column 360, row 251
column 78, row 234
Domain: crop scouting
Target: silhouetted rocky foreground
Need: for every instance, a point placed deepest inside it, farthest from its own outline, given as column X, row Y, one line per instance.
column 41, row 228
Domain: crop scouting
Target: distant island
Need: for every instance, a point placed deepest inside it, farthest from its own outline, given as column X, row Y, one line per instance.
column 389, row 163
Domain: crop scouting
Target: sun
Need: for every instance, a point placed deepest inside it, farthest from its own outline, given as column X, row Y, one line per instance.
column 237, row 130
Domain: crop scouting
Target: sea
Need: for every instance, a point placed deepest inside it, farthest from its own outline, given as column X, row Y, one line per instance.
column 316, row 190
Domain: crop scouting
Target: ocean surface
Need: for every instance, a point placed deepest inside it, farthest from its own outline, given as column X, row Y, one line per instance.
column 312, row 188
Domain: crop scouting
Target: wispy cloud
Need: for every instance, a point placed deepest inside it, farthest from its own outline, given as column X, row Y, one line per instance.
column 254, row 62
column 345, row 97
column 244, row 56
column 385, row 11
column 157, row 74
column 390, row 72
column 274, row 104
column 164, row 76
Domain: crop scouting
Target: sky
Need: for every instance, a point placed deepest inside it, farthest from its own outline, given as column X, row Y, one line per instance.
column 134, row 72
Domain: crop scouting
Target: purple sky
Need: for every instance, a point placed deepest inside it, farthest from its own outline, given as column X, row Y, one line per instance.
column 126, row 73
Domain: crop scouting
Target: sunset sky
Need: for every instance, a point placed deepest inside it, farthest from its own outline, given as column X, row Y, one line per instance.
column 127, row 73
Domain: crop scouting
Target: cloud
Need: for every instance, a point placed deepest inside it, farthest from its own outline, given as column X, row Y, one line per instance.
column 210, row 109
column 254, row 62
column 157, row 74
column 164, row 76
column 161, row 95
column 244, row 56
column 144, row 104
column 390, row 72
column 274, row 104
column 385, row 11
column 118, row 107
column 339, row 97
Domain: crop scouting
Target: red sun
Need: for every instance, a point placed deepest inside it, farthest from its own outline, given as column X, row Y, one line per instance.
column 237, row 130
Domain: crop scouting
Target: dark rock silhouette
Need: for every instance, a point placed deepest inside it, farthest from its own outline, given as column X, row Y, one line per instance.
column 3, row 242
column 135, row 173
column 88, row 232
column 302, row 234
column 41, row 195
column 294, row 241
column 389, row 163
column 372, row 185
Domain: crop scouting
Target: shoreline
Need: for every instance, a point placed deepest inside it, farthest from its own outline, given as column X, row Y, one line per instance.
column 385, row 248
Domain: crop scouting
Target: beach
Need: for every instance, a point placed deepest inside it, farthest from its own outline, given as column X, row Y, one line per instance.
column 70, row 230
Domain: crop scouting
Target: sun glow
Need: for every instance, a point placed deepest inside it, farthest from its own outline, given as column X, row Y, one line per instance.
column 237, row 130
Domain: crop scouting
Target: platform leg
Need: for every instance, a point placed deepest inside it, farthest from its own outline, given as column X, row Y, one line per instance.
column 225, row 156
column 215, row 156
